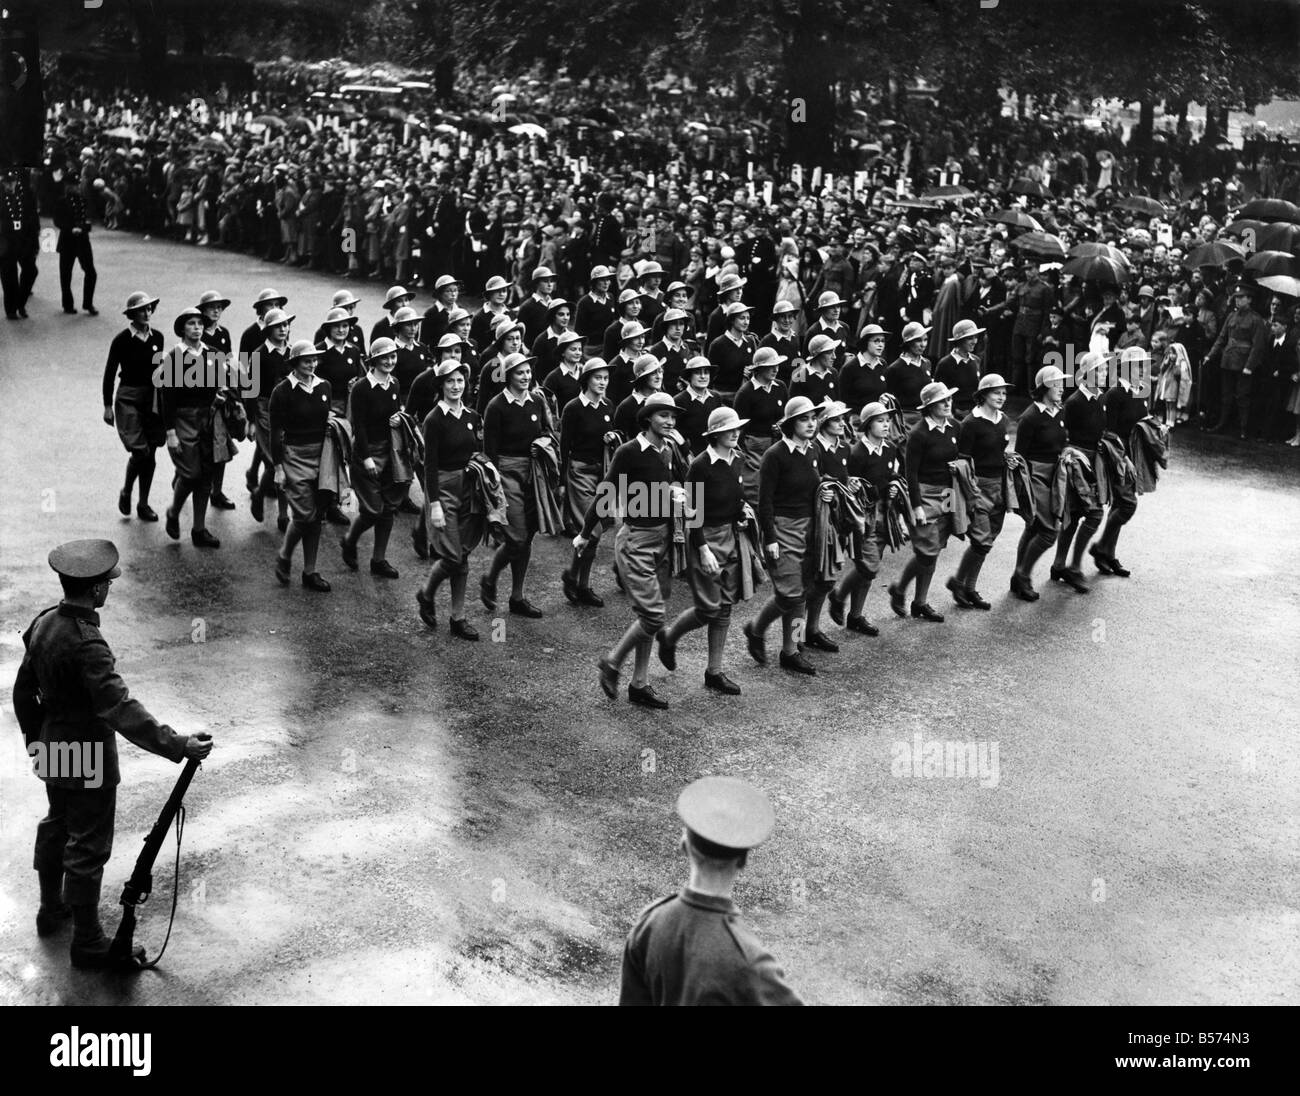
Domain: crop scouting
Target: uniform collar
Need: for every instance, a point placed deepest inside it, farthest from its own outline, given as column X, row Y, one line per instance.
column 570, row 370
column 641, row 441
column 445, row 407
column 933, row 425
column 1050, row 412
column 512, row 398
column 795, row 446
column 870, row 363
column 980, row 413
column 136, row 334
column 824, row 442
column 80, row 612
column 874, row 446
column 388, row 379
column 763, row 387
column 715, row 456
column 710, row 902
column 738, row 340
column 691, row 394
column 273, row 349
column 588, row 401
column 296, row 382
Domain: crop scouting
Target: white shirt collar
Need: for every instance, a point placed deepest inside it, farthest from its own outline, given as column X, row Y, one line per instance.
column 715, row 455
column 446, row 409
column 588, row 400
column 826, row 443
column 739, row 340
column 1088, row 393
column 870, row 363
column 297, row 382
column 1050, row 412
column 933, row 425
column 387, row 379
column 641, row 441
column 874, row 446
column 512, row 398
column 795, row 446
column 276, row 349
column 763, row 387
column 136, row 334
column 693, row 393
column 539, row 297
column 980, row 413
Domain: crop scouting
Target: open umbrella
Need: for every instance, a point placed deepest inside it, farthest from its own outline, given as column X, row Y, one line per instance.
column 1016, row 218
column 1090, row 250
column 948, row 192
column 214, row 143
column 913, row 203
column 1272, row 262
column 1041, row 245
column 1281, row 283
column 696, row 127
column 1215, row 253
column 1030, row 187
column 1244, row 227
column 1270, row 210
column 1142, row 205
column 1279, row 236
column 1101, row 269
column 528, row 129
column 274, row 121
column 297, row 123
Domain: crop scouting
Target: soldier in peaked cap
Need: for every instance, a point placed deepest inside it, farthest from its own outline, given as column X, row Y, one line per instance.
column 693, row 948
column 71, row 704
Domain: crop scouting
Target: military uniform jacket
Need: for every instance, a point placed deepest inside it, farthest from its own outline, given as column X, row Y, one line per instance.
column 693, row 949
column 68, row 691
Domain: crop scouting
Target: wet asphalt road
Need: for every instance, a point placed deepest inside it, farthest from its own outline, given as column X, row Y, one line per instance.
column 393, row 815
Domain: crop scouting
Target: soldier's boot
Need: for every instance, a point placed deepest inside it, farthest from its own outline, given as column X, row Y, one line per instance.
column 91, row 949
column 53, row 911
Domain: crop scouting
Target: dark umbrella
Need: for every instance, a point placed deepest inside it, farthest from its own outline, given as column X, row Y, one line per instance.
column 1280, row 236
column 1215, row 253
column 1270, row 210
column 948, row 192
column 1090, row 250
column 913, row 203
column 1097, row 268
column 1244, row 227
column 1042, row 245
column 1264, row 263
column 1142, row 205
column 1016, row 218
column 1030, row 187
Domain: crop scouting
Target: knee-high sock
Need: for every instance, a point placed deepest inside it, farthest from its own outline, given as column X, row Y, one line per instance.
column 641, row 665
column 310, row 546
column 789, row 624
column 816, row 599
column 200, row 498
column 180, row 492
column 132, row 470
column 1038, row 546
column 1087, row 529
column 626, row 644
column 144, row 465
column 861, row 587
column 383, row 530
column 1026, row 539
column 458, row 583
column 436, row 574
column 910, row 570
column 924, row 573
column 1063, row 541
column 499, row 560
column 360, row 524
column 687, row 621
column 292, row 535
column 519, row 571
column 718, row 641
column 766, row 615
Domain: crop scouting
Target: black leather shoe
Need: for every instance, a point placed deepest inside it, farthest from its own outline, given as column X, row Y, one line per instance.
column 897, row 600
column 124, row 503
column 463, row 629
column 221, row 502
column 382, row 568
column 667, row 651
column 588, row 596
column 1057, row 574
column 172, row 525
column 70, row 311
column 862, row 625
column 201, row 538
column 335, row 516
column 1118, row 569
column 924, row 612
column 570, row 585
column 977, row 602
column 256, row 506
column 608, row 677
column 427, row 612
column 524, row 608
column 797, row 664
column 98, row 955
column 1075, row 580
column 1101, row 560
column 836, row 608
column 250, row 481
column 91, row 310
column 487, row 593
column 282, row 571
column 145, row 512
column 756, row 643
column 420, row 542
column 644, row 696
column 349, row 553
column 49, row 921
column 818, row 642
column 313, row 581
column 1023, row 588
column 958, row 593
column 720, row 683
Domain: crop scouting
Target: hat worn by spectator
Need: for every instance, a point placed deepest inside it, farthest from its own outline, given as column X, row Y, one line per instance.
column 395, row 296
column 381, row 348
column 213, row 297
column 543, row 272
column 138, row 299
column 271, row 297
column 304, row 348
column 658, row 401
column 934, row 392
column 914, row 331
column 965, row 329
column 631, row 331
column 495, row 284
column 1146, row 291
column 822, row 344
column 178, row 325
column 344, row 299
column 86, row 559
column 723, row 419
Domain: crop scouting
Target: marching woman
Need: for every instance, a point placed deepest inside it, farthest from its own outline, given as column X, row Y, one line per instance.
column 862, row 378
column 909, row 373
column 299, row 411
column 815, row 379
column 565, row 381
column 696, row 402
column 412, row 355
column 459, row 321
column 546, row 348
column 342, row 363
column 216, row 337
column 1085, row 422
column 761, row 403
column 250, row 343
column 586, row 435
column 931, row 446
column 425, row 392
column 188, row 414
column 494, row 310
column 1125, row 408
column 270, row 365
column 876, row 461
column 960, row 367
column 507, row 339
column 982, row 436
column 452, row 435
column 784, row 338
column 373, row 409
column 396, row 298
column 515, row 418
column 629, row 308
column 733, row 350
column 1040, row 439
column 673, row 349
column 133, row 355
column 642, row 545
column 343, row 301
column 647, row 379
column 713, row 548
column 833, row 461
column 788, row 484
column 595, row 311
column 622, row 366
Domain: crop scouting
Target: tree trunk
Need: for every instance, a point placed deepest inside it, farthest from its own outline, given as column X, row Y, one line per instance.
column 444, row 78
column 151, row 42
column 810, row 109
column 1212, row 132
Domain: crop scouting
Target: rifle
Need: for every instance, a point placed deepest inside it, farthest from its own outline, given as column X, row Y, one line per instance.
column 140, row 885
